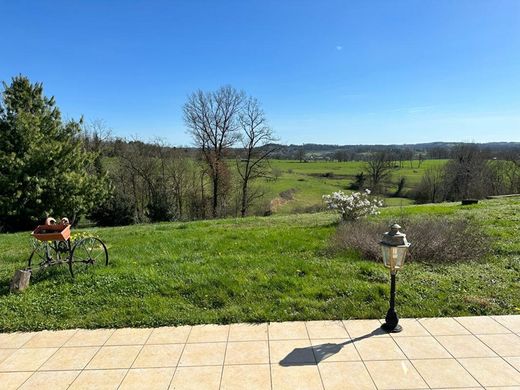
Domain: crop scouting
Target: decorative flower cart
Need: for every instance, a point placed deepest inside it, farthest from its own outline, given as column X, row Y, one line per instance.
column 53, row 245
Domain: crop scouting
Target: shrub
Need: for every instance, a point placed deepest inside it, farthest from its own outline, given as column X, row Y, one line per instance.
column 353, row 206
column 434, row 239
column 115, row 211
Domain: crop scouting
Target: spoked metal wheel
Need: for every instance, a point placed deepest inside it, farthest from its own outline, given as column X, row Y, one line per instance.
column 41, row 254
column 86, row 253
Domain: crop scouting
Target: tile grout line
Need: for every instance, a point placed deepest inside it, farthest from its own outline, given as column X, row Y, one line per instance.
column 482, row 341
column 446, row 349
column 136, row 356
column 478, row 338
column 409, row 360
column 361, row 357
column 269, row 355
column 224, row 360
column 501, row 324
column 99, row 348
column 46, row 360
column 314, row 354
column 180, row 357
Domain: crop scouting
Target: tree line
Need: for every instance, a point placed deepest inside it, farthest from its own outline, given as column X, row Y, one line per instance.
column 74, row 168
column 52, row 166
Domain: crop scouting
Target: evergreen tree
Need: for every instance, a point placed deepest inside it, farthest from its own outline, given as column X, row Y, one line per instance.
column 44, row 167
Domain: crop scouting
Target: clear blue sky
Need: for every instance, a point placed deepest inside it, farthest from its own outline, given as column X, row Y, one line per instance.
column 342, row 72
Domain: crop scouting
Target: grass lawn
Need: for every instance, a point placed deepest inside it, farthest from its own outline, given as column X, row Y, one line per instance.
column 258, row 269
column 311, row 180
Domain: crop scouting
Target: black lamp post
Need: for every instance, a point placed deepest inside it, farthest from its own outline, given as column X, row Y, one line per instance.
column 394, row 247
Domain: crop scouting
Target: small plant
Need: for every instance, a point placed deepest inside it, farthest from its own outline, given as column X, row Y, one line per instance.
column 353, row 206
column 434, row 239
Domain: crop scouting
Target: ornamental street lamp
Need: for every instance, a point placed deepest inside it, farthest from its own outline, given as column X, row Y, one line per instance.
column 394, row 247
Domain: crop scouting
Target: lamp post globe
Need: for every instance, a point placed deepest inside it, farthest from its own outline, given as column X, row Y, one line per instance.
column 394, row 247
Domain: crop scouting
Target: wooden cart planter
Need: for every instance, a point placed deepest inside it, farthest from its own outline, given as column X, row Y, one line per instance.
column 52, row 245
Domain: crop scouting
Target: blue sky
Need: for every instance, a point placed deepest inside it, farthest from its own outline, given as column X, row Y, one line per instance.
column 340, row 72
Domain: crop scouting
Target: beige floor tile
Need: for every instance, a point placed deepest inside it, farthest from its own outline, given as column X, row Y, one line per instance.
column 50, row 339
column 498, row 388
column 411, row 327
column 395, row 374
column 89, row 338
column 511, row 322
column 289, row 352
column 169, row 335
column 27, row 359
column 296, row 377
column 422, row 348
column 14, row 340
column 502, row 344
column 492, row 371
column 164, row 355
column 202, row 354
column 247, row 352
column 345, row 376
column 50, row 380
column 98, row 379
column 444, row 373
column 514, row 361
column 361, row 328
column 208, row 333
column 129, row 336
column 443, row 326
column 248, row 332
column 334, row 350
column 197, row 378
column 481, row 325
column 326, row 330
column 5, row 353
column 287, row 331
column 147, row 378
column 114, row 357
column 257, row 377
column 13, row 380
column 379, row 348
column 465, row 346
column 73, row 358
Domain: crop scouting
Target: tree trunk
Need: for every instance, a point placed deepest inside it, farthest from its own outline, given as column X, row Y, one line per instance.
column 20, row 280
column 243, row 210
column 215, row 196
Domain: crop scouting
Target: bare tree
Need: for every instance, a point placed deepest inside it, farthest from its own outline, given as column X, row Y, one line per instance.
column 379, row 166
column 300, row 153
column 467, row 173
column 211, row 118
column 253, row 161
column 431, row 189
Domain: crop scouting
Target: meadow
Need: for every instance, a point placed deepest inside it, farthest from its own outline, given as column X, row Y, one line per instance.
column 260, row 269
column 306, row 182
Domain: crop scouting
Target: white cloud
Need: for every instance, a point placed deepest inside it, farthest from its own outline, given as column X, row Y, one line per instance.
column 339, row 48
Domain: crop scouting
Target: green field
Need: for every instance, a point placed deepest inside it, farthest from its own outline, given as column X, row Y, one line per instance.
column 259, row 269
column 311, row 180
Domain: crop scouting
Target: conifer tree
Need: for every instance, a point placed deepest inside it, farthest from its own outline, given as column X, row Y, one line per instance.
column 44, row 167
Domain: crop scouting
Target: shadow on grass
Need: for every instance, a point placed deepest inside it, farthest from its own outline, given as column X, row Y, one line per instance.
column 311, row 356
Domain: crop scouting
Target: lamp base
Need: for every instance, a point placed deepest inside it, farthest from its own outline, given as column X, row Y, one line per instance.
column 391, row 329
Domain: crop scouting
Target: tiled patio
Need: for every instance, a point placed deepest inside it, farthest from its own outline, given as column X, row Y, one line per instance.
column 436, row 353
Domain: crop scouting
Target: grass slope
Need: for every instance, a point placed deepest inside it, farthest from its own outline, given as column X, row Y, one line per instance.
column 311, row 180
column 258, row 269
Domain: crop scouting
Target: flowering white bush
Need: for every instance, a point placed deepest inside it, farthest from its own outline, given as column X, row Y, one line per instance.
column 353, row 206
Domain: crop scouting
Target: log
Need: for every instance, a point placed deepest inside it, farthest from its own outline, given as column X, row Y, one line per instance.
column 20, row 281
column 466, row 202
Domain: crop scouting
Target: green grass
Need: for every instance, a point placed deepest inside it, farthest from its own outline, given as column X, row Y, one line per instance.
column 258, row 269
column 310, row 182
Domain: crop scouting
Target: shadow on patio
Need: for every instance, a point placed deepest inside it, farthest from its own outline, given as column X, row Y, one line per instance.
column 310, row 356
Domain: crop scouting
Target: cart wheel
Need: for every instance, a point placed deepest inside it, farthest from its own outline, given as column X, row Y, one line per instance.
column 41, row 253
column 86, row 253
